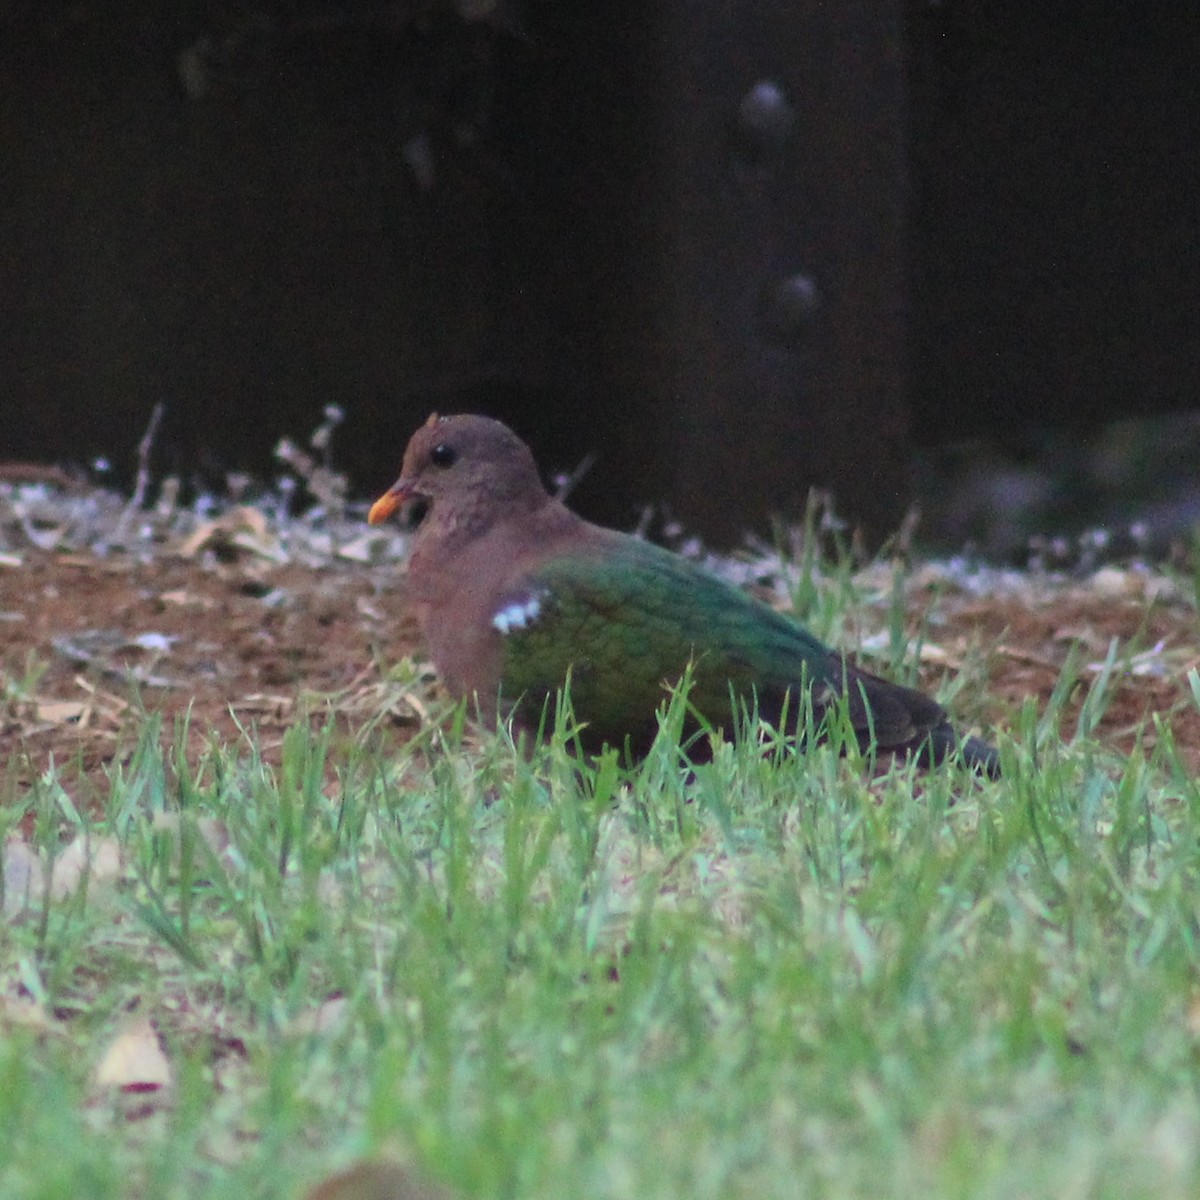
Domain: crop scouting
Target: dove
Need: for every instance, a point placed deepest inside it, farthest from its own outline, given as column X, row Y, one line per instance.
column 514, row 594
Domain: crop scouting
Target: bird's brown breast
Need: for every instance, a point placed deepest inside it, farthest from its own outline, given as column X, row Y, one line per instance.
column 457, row 586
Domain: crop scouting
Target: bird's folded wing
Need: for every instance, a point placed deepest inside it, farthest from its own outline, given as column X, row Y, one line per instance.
column 627, row 625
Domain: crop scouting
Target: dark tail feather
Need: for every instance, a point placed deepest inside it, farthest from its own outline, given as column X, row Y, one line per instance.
column 943, row 743
column 906, row 721
column 982, row 757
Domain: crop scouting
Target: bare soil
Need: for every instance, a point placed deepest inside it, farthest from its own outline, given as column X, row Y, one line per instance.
column 89, row 644
column 231, row 646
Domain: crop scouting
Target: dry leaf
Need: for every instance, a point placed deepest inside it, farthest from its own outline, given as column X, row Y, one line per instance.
column 98, row 859
column 325, row 1018
column 59, row 712
column 263, row 546
column 44, row 538
column 108, row 703
column 378, row 1180
column 1192, row 1018
column 23, row 1012
column 242, row 526
column 182, row 598
column 264, row 703
column 1112, row 582
column 212, row 829
column 939, row 656
column 24, row 878
column 1085, row 635
column 1018, row 654
column 366, row 548
column 134, row 1060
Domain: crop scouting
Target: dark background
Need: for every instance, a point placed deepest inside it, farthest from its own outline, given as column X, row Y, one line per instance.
column 733, row 250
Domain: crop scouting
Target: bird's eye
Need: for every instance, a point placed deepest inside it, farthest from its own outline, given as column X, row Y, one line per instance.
column 443, row 455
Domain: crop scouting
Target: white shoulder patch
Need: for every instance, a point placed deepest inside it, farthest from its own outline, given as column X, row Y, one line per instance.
column 519, row 614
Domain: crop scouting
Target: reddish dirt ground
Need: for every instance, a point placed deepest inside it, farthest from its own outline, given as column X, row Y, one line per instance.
column 250, row 643
column 232, row 645
column 1035, row 639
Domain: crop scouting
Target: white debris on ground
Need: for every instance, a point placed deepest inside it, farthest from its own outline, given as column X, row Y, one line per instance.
column 48, row 510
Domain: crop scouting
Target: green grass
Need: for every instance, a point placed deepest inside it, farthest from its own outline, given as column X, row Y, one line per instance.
column 772, row 976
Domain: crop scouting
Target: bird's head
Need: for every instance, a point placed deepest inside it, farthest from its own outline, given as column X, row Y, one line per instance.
column 461, row 466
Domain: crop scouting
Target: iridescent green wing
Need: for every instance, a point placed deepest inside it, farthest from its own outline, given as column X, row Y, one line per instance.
column 627, row 623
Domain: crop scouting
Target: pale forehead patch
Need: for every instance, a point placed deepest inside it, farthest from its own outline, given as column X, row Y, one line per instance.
column 518, row 614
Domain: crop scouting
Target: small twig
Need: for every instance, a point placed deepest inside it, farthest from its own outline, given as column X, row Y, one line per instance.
column 320, row 441
column 564, row 485
column 642, row 528
column 142, row 482
column 144, row 447
column 1017, row 654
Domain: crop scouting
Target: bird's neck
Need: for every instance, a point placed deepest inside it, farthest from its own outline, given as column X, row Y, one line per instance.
column 454, row 533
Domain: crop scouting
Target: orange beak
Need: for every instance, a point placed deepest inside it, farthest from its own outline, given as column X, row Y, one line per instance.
column 388, row 503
